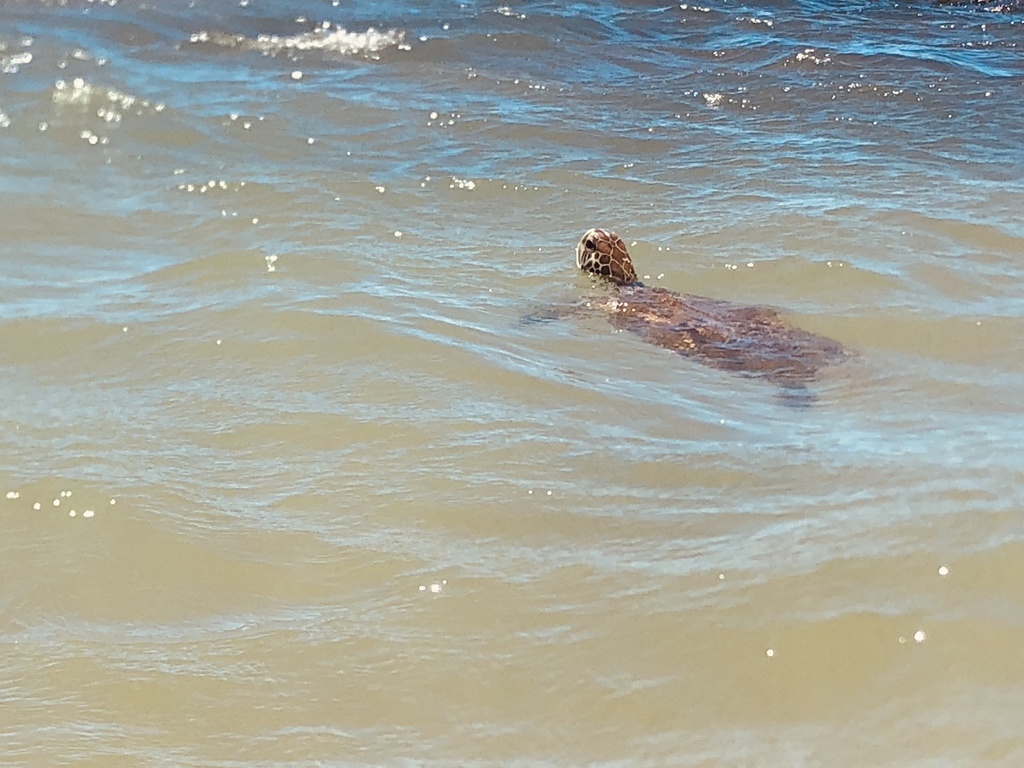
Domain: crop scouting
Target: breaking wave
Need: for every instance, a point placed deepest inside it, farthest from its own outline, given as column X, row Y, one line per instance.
column 327, row 38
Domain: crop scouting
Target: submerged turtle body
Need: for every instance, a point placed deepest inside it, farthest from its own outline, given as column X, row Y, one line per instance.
column 745, row 339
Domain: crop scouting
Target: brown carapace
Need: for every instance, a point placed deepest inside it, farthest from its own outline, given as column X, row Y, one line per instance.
column 751, row 340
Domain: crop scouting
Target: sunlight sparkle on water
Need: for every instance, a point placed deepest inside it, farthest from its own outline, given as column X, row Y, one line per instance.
column 324, row 38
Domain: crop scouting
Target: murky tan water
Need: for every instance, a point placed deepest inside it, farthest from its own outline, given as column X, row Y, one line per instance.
column 293, row 477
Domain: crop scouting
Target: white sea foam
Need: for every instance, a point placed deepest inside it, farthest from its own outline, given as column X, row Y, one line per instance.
column 331, row 39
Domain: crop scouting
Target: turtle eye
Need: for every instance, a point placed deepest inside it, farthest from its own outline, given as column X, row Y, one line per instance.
column 590, row 244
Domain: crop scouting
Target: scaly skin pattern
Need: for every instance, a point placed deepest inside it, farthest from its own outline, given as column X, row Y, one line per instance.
column 745, row 339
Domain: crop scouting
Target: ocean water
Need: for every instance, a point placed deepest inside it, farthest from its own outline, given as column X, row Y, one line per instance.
column 289, row 477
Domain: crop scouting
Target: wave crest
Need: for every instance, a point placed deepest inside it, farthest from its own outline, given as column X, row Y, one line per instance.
column 328, row 38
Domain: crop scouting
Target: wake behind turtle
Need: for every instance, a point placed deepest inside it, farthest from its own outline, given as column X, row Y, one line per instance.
column 750, row 340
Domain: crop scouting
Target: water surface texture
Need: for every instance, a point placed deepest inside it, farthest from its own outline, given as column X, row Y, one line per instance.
column 288, row 477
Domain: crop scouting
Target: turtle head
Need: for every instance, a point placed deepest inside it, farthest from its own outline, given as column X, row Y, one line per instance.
column 603, row 253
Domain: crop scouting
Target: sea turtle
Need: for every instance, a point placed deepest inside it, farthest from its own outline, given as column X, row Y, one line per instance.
column 750, row 340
